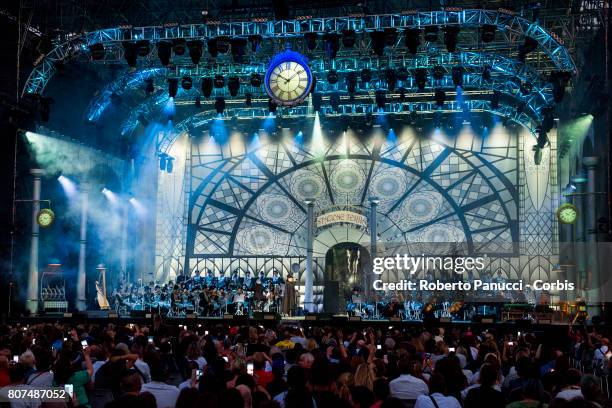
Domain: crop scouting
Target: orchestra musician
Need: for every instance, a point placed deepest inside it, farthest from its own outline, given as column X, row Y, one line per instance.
column 236, row 281
column 276, row 278
column 248, row 282
column 210, row 280
column 222, row 281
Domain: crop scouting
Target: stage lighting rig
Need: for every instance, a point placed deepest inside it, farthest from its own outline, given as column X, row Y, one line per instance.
column 420, row 77
column 248, row 100
column 487, row 33
column 256, row 80
column 332, row 77
column 402, row 74
column 186, row 83
column 317, row 101
column 334, row 101
column 179, row 45
column 542, row 142
column 220, row 104
column 198, row 102
column 219, row 81
column 380, row 98
column 450, row 37
column 255, row 41
column 495, row 99
column 528, row 46
column 520, row 108
column 195, row 51
column 238, row 49
column 438, row 72
column 548, row 118
column 211, row 45
column 164, row 52
column 559, row 81
column 431, row 33
column 390, row 37
column 440, row 97
column 526, row 88
column 172, row 87
column 207, row 86
column 224, row 44
column 311, row 40
column 366, row 75
column 349, row 38
column 486, row 73
column 130, row 53
column 332, row 44
column 390, row 79
column 272, row 106
column 149, row 88
column 97, row 51
column 233, row 85
column 351, row 83
column 457, row 75
column 378, row 42
column 412, row 37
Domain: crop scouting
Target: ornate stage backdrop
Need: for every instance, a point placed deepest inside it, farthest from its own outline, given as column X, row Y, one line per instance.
column 225, row 207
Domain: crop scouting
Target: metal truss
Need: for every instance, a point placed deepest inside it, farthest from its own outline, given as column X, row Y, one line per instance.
column 514, row 26
column 207, row 117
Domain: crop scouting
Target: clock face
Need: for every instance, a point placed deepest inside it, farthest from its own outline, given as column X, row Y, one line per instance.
column 45, row 218
column 288, row 82
column 567, row 214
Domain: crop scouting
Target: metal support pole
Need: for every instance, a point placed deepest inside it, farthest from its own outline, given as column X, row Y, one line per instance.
column 81, row 300
column 308, row 278
column 580, row 237
column 32, row 300
column 374, row 201
column 591, row 233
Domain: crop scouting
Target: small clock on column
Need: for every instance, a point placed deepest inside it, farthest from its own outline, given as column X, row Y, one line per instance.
column 45, row 217
column 567, row 213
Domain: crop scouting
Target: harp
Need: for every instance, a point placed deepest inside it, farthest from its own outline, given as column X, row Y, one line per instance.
column 101, row 288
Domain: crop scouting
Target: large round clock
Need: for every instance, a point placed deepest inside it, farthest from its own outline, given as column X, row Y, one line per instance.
column 567, row 213
column 45, row 217
column 288, row 79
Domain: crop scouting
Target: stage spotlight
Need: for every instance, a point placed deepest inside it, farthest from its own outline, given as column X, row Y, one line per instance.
column 334, row 101
column 351, row 82
column 495, row 99
column 390, row 37
column 381, row 99
column 487, row 33
column 179, row 45
column 255, row 41
column 414, row 115
column 233, row 85
column 162, row 163
column 528, row 46
column 238, row 46
column 172, row 87
column 332, row 44
column 139, row 208
column 317, row 101
column 220, row 104
column 195, row 50
column 520, row 108
column 143, row 47
column 450, row 37
column 97, row 51
column 413, row 40
column 457, row 75
column 402, row 92
column 256, row 79
column 378, row 42
column 219, row 81
column 420, row 77
column 366, row 75
column 559, row 81
column 486, row 73
column 431, row 33
column 207, row 86
column 272, row 106
column 169, row 164
column 348, row 38
column 390, row 79
column 402, row 74
column 224, row 44
column 164, row 52
column 438, row 72
column 130, row 53
column 211, row 45
column 169, row 109
column 440, row 97
column 69, row 186
column 198, row 102
column 186, row 83
column 311, row 41
column 525, row 88
column 548, row 118
column 248, row 100
column 332, row 77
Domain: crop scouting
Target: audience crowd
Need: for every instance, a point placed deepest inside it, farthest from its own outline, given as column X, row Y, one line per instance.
column 218, row 365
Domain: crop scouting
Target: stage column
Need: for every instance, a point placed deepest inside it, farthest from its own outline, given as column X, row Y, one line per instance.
column 308, row 279
column 579, row 236
column 591, row 234
column 81, row 300
column 374, row 201
column 32, row 300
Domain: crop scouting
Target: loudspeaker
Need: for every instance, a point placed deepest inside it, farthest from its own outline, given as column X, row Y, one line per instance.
column 331, row 297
